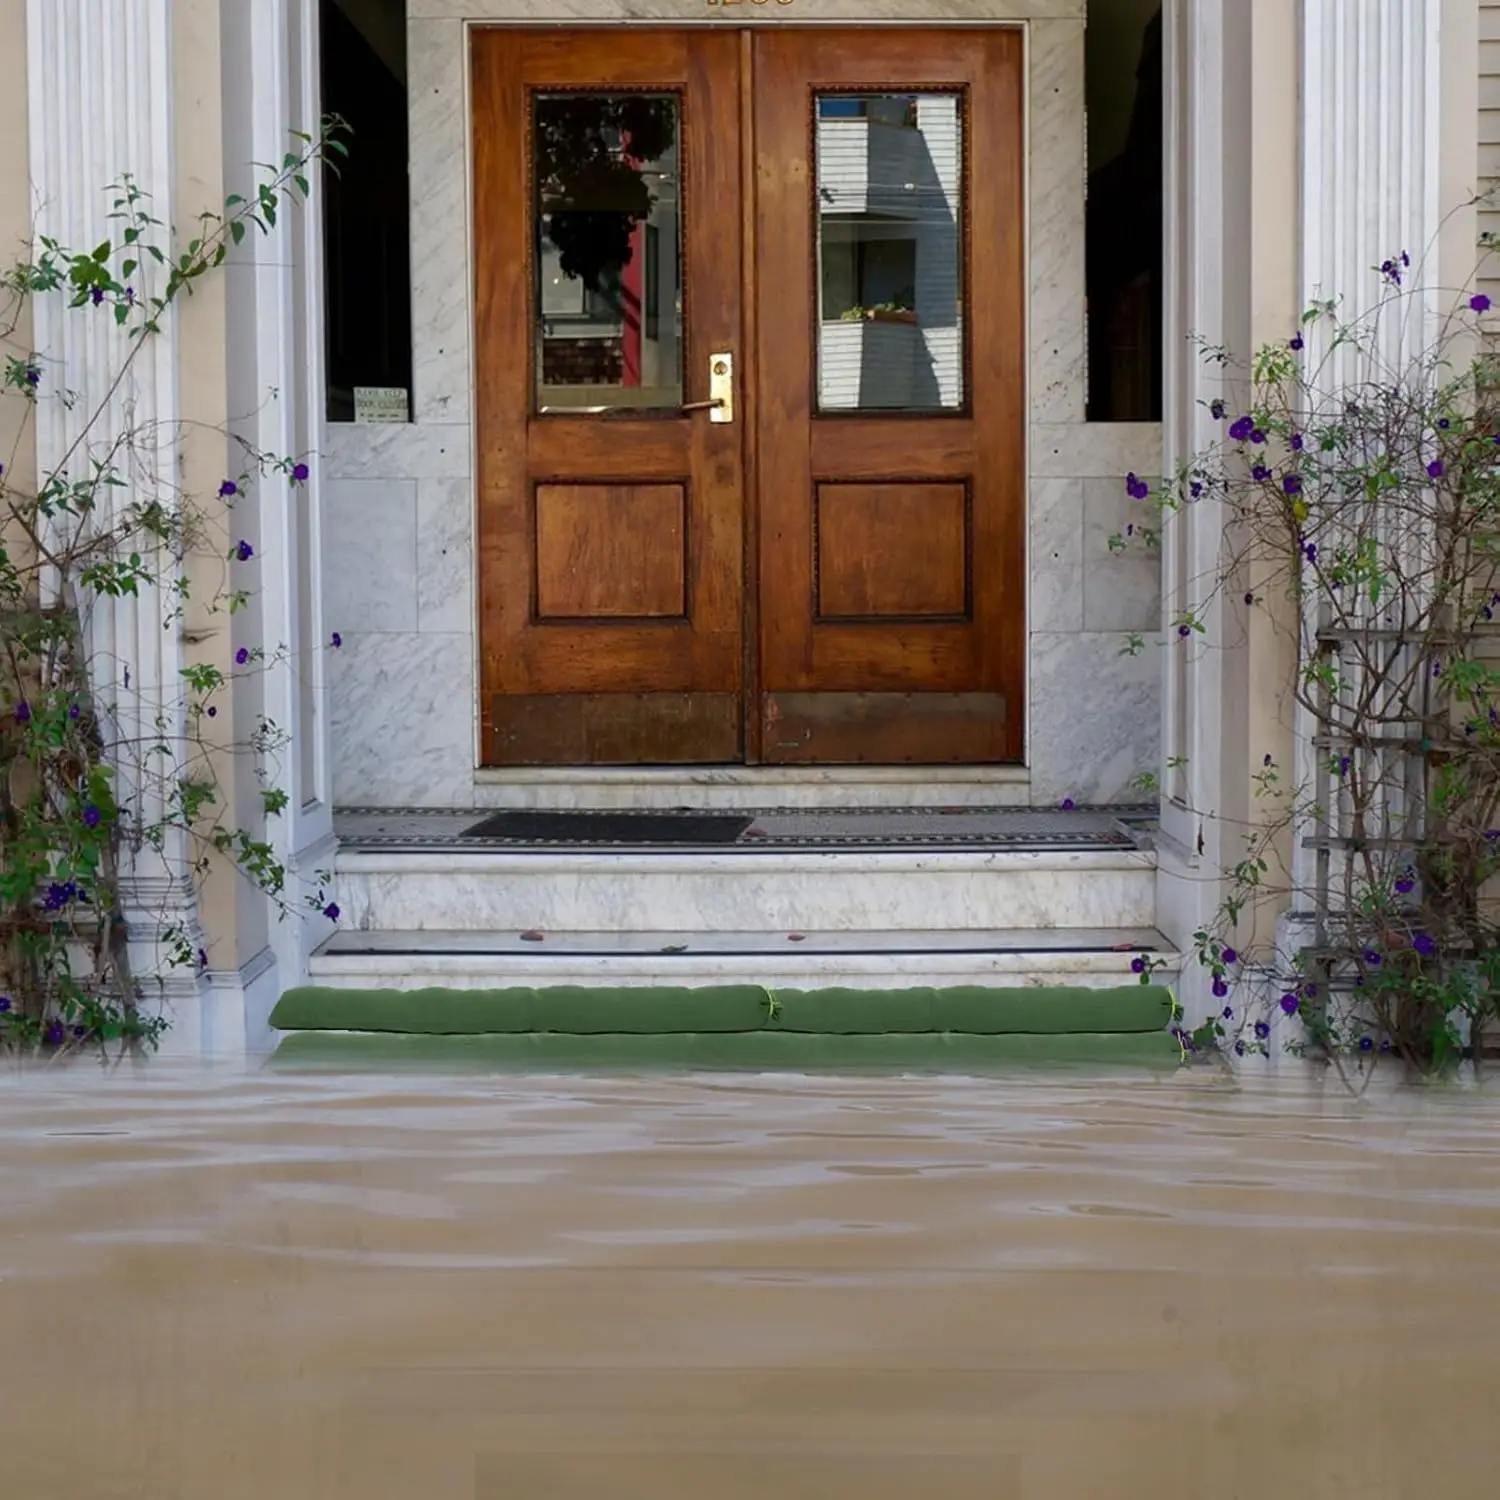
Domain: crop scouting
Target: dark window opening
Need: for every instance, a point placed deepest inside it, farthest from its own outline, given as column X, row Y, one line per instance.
column 1123, row 237
column 367, row 208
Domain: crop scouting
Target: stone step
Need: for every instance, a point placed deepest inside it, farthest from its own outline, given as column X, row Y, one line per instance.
column 1084, row 957
column 743, row 890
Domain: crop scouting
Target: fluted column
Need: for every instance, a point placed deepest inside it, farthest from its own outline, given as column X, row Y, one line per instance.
column 99, row 92
column 1371, row 148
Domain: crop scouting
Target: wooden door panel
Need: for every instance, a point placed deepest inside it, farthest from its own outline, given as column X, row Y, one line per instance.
column 610, row 540
column 892, row 515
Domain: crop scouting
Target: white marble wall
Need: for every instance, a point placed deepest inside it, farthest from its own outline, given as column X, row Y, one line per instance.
column 399, row 500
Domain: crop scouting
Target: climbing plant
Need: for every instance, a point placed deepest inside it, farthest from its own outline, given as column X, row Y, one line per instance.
column 1358, row 475
column 110, row 796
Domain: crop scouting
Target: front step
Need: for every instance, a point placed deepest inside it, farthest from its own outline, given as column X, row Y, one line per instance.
column 1078, row 958
column 489, row 891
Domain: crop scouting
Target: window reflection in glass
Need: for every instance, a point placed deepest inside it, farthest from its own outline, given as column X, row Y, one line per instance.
column 889, row 183
column 608, row 252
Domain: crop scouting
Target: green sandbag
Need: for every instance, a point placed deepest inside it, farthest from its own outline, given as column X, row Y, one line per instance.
column 573, row 1009
column 851, row 1012
column 438, row 1012
column 649, row 1010
column 1049, row 1010
column 759, row 1051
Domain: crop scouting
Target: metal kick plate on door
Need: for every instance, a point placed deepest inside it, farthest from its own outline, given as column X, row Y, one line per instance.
column 721, row 387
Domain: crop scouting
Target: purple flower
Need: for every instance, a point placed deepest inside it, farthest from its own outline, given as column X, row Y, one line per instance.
column 213, row 713
column 1435, row 469
column 1269, row 760
column 1195, row 489
column 1423, row 946
column 1310, row 551
column 1444, row 424
column 1292, row 484
column 1241, row 429
column 1296, row 343
column 1216, row 410
column 91, row 816
column 1227, row 1014
column 1257, row 436
column 59, row 894
column 1136, row 487
column 338, row 640
column 1184, row 631
column 54, row 1034
column 1229, row 956
column 1249, row 597
column 1372, row 958
column 1068, row 804
column 1480, row 303
column 228, row 488
column 5, row 1004
column 1365, row 1044
column 1344, row 763
column 1405, row 884
column 33, row 376
column 1138, row 966
column 73, row 710
column 96, row 296
column 1290, row 1004
column 203, row 958
column 300, row 473
column 241, row 657
column 23, row 712
column 1262, row 1030
column 1260, row 473
column 1391, row 272
column 244, row 551
column 1220, row 989
column 331, row 911
column 1298, row 442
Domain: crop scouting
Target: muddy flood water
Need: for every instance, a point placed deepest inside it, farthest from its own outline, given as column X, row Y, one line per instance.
column 236, row 1284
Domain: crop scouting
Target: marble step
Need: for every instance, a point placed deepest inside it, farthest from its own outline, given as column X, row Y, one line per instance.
column 1086, row 957
column 744, row 890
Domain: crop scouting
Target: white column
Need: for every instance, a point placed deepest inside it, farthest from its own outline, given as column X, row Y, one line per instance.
column 99, row 96
column 1371, row 149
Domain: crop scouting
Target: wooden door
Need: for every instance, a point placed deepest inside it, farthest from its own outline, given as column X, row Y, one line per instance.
column 607, row 234
column 891, row 405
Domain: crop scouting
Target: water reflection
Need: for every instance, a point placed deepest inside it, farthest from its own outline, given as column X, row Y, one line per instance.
column 312, row 1286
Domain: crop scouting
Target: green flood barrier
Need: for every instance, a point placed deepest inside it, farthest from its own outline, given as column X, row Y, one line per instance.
column 762, row 1051
column 728, row 1010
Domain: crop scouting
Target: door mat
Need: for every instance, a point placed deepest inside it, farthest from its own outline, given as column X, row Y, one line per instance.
column 761, row 1051
column 729, row 1010
column 526, row 826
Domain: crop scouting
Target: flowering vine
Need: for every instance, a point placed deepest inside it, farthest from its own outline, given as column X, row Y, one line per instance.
column 1358, row 481
column 99, row 784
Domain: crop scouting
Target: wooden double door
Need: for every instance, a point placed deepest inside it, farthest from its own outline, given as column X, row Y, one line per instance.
column 750, row 355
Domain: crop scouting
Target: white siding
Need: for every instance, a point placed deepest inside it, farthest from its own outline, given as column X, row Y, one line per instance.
column 1489, row 142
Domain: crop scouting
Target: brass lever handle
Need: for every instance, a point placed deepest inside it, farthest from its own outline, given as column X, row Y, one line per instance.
column 720, row 403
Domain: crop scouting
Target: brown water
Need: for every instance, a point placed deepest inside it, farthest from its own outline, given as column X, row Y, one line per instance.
column 227, row 1285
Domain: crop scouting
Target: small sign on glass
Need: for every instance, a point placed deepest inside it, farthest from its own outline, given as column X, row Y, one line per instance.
column 381, row 403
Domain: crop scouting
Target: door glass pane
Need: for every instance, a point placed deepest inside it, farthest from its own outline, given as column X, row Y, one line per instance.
column 608, row 252
column 890, row 263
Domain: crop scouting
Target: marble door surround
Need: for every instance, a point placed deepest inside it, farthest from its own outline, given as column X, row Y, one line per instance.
column 399, row 500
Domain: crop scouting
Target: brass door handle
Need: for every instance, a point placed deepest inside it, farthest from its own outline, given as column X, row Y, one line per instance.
column 720, row 403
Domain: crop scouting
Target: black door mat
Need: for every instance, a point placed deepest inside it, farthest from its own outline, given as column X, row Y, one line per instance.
column 525, row 826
